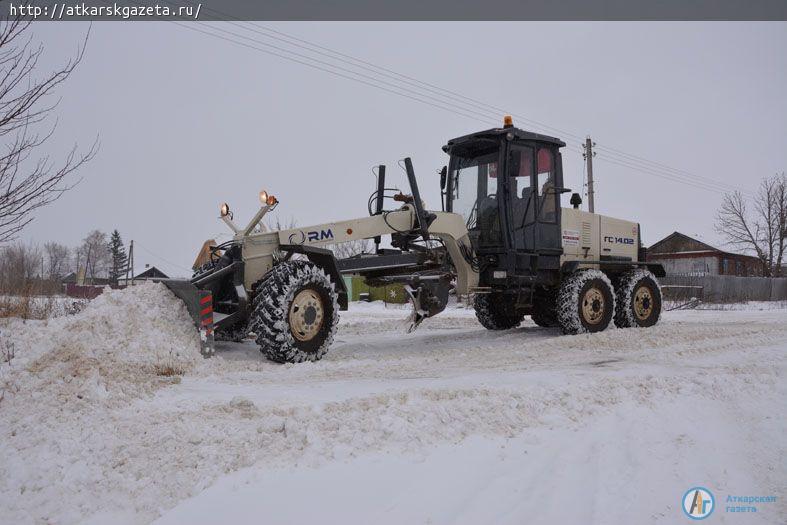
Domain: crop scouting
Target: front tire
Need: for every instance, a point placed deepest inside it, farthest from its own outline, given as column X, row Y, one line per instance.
column 496, row 311
column 235, row 334
column 638, row 300
column 585, row 302
column 295, row 313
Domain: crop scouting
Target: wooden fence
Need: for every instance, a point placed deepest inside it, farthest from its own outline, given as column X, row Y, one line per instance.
column 724, row 288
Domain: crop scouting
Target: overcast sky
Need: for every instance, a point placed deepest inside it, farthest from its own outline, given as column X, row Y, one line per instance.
column 187, row 121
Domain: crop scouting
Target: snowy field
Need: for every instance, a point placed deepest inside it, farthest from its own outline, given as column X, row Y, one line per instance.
column 451, row 424
column 40, row 307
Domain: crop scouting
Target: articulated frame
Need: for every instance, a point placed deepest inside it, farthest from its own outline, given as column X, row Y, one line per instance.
column 259, row 249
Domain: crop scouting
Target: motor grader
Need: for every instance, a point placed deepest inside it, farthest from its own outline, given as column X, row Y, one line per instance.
column 501, row 237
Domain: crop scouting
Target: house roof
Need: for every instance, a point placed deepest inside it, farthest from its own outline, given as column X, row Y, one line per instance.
column 693, row 245
column 677, row 236
column 73, row 278
column 152, row 273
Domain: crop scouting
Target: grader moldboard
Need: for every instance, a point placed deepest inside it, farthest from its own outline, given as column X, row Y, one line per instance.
column 501, row 236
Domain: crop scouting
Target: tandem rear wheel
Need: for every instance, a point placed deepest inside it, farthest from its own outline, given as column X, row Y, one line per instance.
column 585, row 302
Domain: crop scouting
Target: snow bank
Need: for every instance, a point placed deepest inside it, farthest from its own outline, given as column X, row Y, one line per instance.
column 116, row 346
column 643, row 455
column 41, row 307
column 90, row 432
column 64, row 385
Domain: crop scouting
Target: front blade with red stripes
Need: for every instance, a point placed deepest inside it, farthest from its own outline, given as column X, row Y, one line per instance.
column 206, row 323
column 199, row 304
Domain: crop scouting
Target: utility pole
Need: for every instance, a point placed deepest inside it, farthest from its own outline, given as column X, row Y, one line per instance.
column 130, row 264
column 589, row 154
column 87, row 264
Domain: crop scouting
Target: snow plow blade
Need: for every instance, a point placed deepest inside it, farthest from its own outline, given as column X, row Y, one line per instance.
column 199, row 304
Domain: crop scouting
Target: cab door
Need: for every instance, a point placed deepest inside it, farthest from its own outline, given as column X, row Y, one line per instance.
column 522, row 201
column 546, row 181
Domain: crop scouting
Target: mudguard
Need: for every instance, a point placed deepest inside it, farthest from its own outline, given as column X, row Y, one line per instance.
column 325, row 259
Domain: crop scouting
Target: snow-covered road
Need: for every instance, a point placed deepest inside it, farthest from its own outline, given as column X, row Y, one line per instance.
column 451, row 424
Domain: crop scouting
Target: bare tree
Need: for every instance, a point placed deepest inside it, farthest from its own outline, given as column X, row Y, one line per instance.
column 278, row 223
column 57, row 258
column 762, row 230
column 780, row 200
column 20, row 264
column 28, row 180
column 97, row 257
column 343, row 250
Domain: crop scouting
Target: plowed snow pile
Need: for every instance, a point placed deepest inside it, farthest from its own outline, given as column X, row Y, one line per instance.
column 117, row 347
column 65, row 376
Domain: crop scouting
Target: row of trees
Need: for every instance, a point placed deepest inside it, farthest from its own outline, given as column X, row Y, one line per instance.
column 758, row 226
column 99, row 256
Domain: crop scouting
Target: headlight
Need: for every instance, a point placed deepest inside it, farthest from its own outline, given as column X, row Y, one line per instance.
column 225, row 209
column 270, row 200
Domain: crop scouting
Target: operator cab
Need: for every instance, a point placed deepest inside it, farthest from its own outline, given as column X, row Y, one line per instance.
column 506, row 183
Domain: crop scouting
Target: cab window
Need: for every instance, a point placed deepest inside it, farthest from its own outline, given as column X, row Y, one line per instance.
column 520, row 173
column 474, row 196
column 545, row 185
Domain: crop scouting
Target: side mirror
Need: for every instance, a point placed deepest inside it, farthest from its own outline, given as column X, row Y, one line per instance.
column 443, row 177
column 576, row 200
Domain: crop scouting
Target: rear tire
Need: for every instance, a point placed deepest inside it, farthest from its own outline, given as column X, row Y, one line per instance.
column 295, row 313
column 496, row 311
column 585, row 302
column 638, row 300
column 544, row 308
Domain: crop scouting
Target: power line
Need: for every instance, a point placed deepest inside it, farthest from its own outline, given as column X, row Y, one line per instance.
column 369, row 66
column 137, row 243
column 662, row 175
column 326, row 70
column 409, row 93
column 473, row 108
column 641, row 160
column 365, row 65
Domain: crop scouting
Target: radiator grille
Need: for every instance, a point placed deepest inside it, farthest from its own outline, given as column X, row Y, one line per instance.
column 586, row 240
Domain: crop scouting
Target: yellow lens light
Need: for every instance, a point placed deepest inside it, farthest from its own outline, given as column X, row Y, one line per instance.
column 272, row 200
column 508, row 121
column 225, row 209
